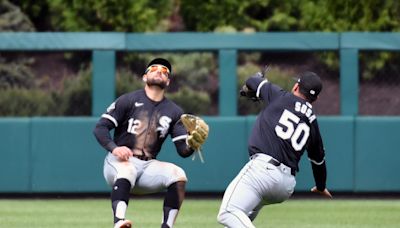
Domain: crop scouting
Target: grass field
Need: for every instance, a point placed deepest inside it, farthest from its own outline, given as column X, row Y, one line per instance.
column 199, row 213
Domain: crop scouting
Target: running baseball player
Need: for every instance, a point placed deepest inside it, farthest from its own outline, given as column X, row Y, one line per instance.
column 283, row 130
column 141, row 121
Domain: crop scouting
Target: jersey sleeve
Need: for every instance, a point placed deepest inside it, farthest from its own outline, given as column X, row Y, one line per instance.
column 117, row 110
column 315, row 147
column 179, row 136
column 264, row 89
column 316, row 154
column 178, row 131
column 109, row 120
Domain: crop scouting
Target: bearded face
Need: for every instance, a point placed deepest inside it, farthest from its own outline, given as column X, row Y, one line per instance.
column 157, row 75
column 154, row 81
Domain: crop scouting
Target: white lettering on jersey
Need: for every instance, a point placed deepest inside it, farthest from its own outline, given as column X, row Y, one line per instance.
column 164, row 122
column 291, row 128
column 133, row 125
column 306, row 109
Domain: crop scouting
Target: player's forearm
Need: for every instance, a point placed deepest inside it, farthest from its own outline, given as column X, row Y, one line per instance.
column 319, row 172
column 103, row 136
column 183, row 149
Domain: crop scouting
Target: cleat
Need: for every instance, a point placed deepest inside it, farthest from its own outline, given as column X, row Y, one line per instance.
column 123, row 224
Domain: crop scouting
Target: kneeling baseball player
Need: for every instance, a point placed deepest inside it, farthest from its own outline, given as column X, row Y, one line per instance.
column 141, row 121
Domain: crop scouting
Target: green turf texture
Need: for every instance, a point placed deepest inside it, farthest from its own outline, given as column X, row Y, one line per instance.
column 201, row 213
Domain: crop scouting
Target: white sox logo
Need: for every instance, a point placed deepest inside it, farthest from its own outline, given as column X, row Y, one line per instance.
column 164, row 122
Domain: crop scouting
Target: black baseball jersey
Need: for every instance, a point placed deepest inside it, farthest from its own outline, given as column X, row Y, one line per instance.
column 141, row 124
column 285, row 127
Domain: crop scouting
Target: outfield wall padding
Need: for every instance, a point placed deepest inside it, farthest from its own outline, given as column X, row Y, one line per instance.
column 60, row 154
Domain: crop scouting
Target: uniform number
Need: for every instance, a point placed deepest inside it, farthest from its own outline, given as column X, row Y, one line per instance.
column 133, row 125
column 297, row 132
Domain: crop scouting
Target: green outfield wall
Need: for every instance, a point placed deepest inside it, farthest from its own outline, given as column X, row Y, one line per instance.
column 46, row 155
column 41, row 155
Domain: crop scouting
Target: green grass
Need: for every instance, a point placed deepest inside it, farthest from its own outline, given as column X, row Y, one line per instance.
column 75, row 213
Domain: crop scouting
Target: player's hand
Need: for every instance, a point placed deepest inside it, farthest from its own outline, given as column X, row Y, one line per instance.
column 249, row 93
column 325, row 193
column 123, row 153
column 197, row 130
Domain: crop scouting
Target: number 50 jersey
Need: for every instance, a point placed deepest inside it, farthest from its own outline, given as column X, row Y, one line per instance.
column 285, row 127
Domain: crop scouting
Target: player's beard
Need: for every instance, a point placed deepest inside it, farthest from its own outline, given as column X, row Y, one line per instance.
column 155, row 82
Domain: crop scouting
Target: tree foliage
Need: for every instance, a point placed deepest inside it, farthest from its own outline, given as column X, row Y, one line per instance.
column 12, row 19
column 26, row 102
column 292, row 15
column 343, row 15
column 16, row 74
column 295, row 15
column 191, row 101
column 99, row 15
column 195, row 77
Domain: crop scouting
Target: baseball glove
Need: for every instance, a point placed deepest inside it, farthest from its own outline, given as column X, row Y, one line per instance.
column 197, row 130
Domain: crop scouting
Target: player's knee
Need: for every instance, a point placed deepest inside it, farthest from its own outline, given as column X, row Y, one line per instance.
column 127, row 172
column 222, row 217
column 176, row 174
column 180, row 174
column 234, row 218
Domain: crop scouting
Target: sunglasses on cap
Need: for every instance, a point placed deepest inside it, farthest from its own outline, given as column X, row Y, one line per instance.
column 161, row 68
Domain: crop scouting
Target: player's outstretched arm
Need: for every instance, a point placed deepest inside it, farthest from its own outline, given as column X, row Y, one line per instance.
column 325, row 192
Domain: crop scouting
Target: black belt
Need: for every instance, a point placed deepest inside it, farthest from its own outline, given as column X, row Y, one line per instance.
column 277, row 163
column 142, row 157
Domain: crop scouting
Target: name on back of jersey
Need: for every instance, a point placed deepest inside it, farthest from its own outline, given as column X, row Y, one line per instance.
column 305, row 109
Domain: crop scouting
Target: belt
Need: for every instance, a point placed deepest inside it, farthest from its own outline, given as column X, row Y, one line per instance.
column 142, row 157
column 277, row 163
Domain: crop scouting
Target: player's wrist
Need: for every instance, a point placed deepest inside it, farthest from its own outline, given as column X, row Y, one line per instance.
column 111, row 146
column 190, row 150
column 321, row 188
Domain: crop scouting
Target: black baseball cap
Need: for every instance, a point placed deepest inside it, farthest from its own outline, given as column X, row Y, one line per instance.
column 310, row 85
column 161, row 61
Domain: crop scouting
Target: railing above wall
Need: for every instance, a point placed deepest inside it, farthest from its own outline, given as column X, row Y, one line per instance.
column 385, row 41
column 27, row 41
column 234, row 41
column 104, row 45
column 52, row 41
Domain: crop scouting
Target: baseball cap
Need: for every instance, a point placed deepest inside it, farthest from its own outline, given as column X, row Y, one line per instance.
column 161, row 61
column 310, row 85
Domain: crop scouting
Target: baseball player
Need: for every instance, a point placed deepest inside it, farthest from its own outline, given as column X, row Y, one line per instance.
column 283, row 130
column 141, row 121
